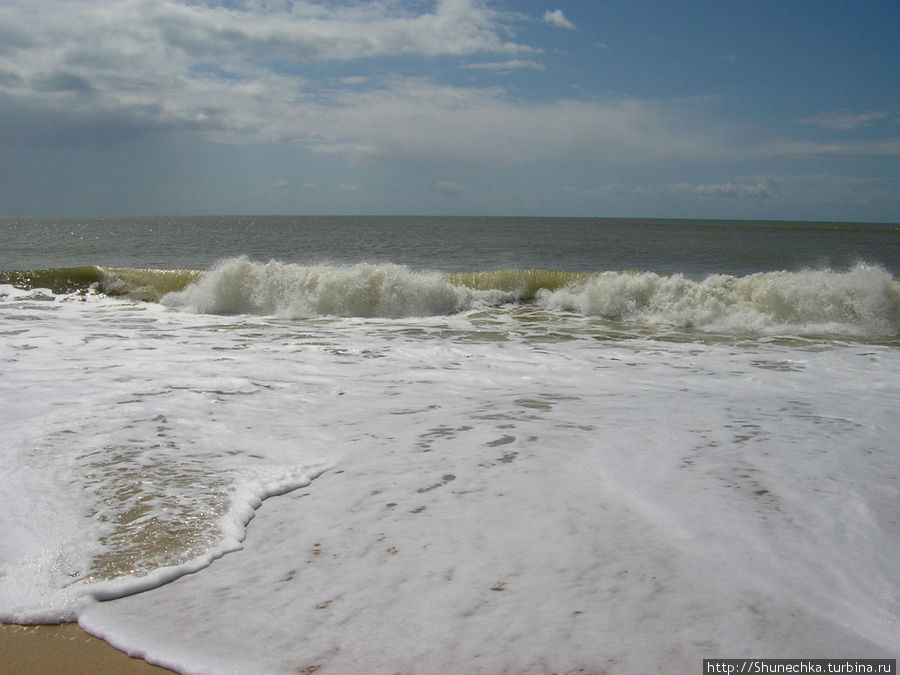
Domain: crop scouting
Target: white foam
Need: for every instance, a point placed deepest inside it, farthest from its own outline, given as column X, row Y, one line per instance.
column 514, row 489
column 239, row 286
column 862, row 301
column 542, row 507
column 119, row 475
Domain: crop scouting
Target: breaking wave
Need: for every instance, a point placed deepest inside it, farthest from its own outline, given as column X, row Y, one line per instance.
column 239, row 286
column 864, row 300
column 861, row 301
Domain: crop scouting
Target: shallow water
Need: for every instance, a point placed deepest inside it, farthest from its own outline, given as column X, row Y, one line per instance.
column 527, row 481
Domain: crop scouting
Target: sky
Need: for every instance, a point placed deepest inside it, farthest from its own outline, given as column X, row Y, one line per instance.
column 751, row 109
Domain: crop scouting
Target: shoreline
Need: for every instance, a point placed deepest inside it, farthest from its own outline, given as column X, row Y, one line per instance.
column 64, row 649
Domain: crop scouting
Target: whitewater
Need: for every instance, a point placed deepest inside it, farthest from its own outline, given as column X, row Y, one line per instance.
column 274, row 466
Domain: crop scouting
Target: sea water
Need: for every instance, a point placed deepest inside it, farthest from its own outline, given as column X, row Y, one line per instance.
column 484, row 445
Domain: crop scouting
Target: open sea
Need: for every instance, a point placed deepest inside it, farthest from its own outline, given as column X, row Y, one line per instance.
column 452, row 445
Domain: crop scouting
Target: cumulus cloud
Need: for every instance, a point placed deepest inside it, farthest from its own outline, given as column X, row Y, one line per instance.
column 179, row 65
column 845, row 120
column 558, row 19
column 90, row 72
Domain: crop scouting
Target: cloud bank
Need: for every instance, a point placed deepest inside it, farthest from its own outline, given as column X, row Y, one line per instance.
column 91, row 72
column 191, row 66
column 82, row 73
column 380, row 83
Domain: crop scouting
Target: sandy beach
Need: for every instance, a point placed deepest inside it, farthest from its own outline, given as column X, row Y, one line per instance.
column 64, row 649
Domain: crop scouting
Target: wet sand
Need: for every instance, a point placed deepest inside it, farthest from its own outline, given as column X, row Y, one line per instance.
column 64, row 649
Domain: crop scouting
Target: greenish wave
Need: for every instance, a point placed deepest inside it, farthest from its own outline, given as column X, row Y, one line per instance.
column 142, row 284
column 145, row 284
column 58, row 280
column 525, row 283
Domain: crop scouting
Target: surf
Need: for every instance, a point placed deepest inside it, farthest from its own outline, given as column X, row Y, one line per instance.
column 863, row 300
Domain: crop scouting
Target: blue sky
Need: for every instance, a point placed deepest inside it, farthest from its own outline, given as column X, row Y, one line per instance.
column 782, row 110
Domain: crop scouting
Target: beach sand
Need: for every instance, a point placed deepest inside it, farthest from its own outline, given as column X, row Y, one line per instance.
column 64, row 649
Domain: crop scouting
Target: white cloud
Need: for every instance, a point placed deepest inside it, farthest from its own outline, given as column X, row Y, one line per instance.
column 86, row 71
column 506, row 66
column 836, row 192
column 414, row 117
column 762, row 190
column 450, row 187
column 607, row 190
column 764, row 195
column 317, row 31
column 558, row 19
column 171, row 64
column 845, row 120
column 757, row 190
column 798, row 149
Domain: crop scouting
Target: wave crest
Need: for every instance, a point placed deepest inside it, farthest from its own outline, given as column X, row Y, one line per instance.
column 864, row 300
column 239, row 286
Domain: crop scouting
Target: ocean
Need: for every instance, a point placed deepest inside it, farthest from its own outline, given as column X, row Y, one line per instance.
column 433, row 445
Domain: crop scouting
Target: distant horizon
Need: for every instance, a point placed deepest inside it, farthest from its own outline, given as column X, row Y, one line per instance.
column 710, row 110
column 444, row 216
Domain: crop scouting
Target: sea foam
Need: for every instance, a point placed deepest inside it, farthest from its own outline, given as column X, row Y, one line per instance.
column 864, row 300
column 239, row 286
column 478, row 470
